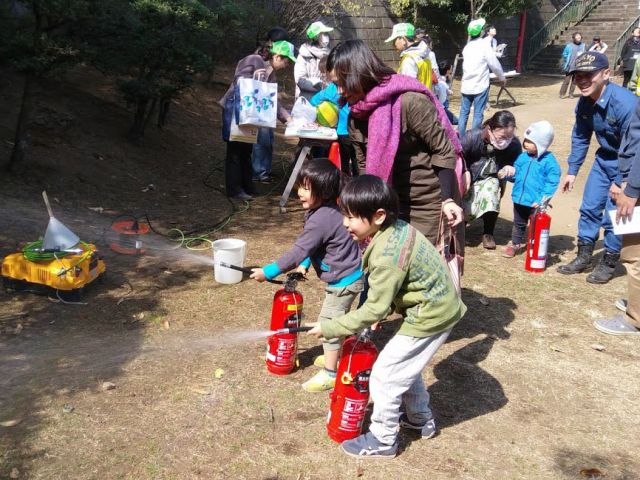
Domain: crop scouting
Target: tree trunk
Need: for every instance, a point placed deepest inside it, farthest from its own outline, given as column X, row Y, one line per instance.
column 137, row 127
column 20, row 139
column 163, row 112
column 149, row 113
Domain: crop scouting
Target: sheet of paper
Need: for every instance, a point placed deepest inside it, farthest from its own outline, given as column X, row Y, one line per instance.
column 628, row 227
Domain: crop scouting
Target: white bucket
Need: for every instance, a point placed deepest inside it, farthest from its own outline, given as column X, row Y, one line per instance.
column 231, row 251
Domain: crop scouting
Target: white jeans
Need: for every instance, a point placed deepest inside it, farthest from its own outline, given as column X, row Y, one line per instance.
column 396, row 378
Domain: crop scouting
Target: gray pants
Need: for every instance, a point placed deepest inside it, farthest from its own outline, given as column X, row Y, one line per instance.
column 337, row 302
column 396, row 378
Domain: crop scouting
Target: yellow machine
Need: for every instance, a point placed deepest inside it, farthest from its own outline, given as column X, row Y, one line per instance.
column 59, row 262
column 68, row 272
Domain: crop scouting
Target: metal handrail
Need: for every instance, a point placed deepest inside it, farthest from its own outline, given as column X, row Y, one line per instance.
column 570, row 14
column 620, row 41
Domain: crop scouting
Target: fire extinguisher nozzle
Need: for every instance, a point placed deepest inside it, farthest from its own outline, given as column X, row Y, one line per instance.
column 284, row 331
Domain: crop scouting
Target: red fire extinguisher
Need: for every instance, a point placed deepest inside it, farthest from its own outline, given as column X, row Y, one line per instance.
column 538, row 238
column 351, row 392
column 286, row 313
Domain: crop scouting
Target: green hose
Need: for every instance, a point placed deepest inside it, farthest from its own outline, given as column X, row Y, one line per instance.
column 31, row 252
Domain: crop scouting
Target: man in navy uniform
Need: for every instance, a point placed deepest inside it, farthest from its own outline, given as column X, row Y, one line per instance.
column 626, row 201
column 606, row 110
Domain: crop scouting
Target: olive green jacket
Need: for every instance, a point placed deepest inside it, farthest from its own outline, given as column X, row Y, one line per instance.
column 405, row 271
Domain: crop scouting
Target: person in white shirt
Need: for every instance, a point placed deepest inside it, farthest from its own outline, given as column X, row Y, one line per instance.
column 432, row 55
column 598, row 45
column 490, row 37
column 479, row 59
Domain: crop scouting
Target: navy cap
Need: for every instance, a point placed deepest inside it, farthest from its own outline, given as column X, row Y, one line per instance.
column 591, row 62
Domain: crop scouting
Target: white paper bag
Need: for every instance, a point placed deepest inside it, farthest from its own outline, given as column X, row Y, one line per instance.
column 258, row 103
column 242, row 133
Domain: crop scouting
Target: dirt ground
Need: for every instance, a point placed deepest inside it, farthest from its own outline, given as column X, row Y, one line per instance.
column 525, row 387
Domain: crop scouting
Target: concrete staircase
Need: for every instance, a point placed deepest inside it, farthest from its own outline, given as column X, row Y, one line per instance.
column 608, row 20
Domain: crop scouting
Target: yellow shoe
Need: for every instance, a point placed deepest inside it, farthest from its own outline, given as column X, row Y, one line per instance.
column 320, row 382
column 319, row 361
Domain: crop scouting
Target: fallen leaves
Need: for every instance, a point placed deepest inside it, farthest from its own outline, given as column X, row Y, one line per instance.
column 591, row 473
column 11, row 423
column 108, row 386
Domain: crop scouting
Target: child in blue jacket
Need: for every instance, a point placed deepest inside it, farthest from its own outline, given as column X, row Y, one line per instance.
column 349, row 164
column 535, row 175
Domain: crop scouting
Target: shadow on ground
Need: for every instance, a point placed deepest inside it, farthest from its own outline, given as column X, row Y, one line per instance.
column 52, row 352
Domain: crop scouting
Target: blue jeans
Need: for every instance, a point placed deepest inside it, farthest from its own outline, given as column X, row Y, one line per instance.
column 595, row 204
column 450, row 115
column 479, row 101
column 262, row 155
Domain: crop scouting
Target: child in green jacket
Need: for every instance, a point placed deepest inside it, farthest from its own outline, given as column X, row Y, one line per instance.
column 405, row 271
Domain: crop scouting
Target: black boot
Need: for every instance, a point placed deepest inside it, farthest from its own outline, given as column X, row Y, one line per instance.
column 604, row 269
column 581, row 263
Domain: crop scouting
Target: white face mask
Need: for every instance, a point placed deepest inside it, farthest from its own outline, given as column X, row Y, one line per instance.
column 499, row 144
column 323, row 40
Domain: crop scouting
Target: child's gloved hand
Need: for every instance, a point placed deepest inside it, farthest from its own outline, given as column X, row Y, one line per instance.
column 315, row 331
column 258, row 274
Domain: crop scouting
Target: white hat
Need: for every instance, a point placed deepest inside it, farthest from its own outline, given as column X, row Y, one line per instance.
column 541, row 135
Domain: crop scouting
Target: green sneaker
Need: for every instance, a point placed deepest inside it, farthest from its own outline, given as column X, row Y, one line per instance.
column 319, row 361
column 320, row 382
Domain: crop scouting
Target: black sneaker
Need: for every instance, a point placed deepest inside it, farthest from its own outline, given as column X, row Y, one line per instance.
column 266, row 180
column 428, row 429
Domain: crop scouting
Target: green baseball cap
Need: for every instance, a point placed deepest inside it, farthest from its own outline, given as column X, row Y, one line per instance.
column 475, row 27
column 284, row 49
column 402, row 30
column 316, row 28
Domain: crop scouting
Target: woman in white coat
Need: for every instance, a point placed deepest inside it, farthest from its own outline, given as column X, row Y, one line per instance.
column 309, row 80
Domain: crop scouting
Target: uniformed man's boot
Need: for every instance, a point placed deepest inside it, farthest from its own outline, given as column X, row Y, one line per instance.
column 604, row 269
column 581, row 263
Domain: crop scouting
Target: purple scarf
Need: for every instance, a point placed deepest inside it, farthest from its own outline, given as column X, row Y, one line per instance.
column 382, row 106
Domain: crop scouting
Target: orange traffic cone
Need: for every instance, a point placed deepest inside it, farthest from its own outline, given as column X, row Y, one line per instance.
column 334, row 155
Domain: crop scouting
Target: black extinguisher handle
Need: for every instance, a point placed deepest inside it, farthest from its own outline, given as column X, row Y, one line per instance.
column 248, row 271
